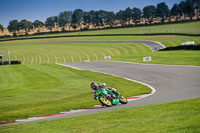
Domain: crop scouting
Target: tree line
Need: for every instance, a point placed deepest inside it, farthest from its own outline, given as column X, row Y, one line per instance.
column 130, row 16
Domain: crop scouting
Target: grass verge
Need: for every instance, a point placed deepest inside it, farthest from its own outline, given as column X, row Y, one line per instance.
column 34, row 90
column 188, row 28
column 41, row 52
column 66, row 52
column 180, row 57
column 172, row 117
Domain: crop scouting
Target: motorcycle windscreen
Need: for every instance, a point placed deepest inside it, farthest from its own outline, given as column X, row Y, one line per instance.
column 104, row 91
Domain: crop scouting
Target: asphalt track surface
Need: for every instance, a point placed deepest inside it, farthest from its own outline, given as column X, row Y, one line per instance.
column 170, row 81
column 153, row 45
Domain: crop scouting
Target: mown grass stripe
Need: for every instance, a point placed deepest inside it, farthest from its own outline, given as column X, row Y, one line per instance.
column 40, row 59
column 23, row 48
column 55, row 59
column 72, row 59
column 124, row 50
column 24, row 59
column 87, row 56
column 47, row 56
column 32, row 59
column 95, row 55
column 63, row 59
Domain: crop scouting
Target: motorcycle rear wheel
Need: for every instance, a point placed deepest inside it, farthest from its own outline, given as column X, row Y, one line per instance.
column 105, row 102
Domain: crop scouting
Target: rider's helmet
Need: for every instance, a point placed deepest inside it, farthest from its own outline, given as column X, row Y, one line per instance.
column 94, row 85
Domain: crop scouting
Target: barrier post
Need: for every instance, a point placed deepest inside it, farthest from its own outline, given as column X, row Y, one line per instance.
column 9, row 57
column 1, row 57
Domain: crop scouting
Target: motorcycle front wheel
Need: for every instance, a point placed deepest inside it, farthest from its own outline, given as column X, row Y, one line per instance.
column 123, row 100
column 105, row 102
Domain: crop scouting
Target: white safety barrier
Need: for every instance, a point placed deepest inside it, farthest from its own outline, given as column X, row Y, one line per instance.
column 107, row 57
column 188, row 43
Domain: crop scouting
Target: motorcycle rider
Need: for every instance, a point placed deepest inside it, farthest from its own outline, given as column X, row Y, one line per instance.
column 96, row 87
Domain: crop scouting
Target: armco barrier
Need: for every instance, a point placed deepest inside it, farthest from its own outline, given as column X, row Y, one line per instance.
column 182, row 47
column 11, row 62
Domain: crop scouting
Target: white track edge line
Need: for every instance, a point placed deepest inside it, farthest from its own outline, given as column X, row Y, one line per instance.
column 155, row 64
column 68, row 66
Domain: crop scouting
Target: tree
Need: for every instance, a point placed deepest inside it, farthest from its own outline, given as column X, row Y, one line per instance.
column 29, row 26
column 149, row 13
column 162, row 11
column 137, row 13
column 25, row 25
column 175, row 11
column 190, row 8
column 183, row 9
column 87, row 19
column 13, row 26
column 64, row 19
column 38, row 24
column 98, row 18
column 77, row 18
column 197, row 7
column 121, row 17
column 68, row 17
column 102, row 17
column 110, row 18
column 49, row 23
column 1, row 28
column 55, row 20
column 128, row 15
column 92, row 17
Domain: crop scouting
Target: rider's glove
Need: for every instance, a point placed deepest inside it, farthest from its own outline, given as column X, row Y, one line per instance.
column 95, row 98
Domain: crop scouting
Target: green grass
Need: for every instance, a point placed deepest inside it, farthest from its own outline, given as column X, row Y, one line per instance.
column 167, row 40
column 34, row 90
column 181, row 57
column 189, row 28
column 173, row 117
column 31, row 89
column 53, row 53
column 38, row 52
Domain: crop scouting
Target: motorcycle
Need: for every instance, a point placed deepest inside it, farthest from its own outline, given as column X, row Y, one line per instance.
column 107, row 97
